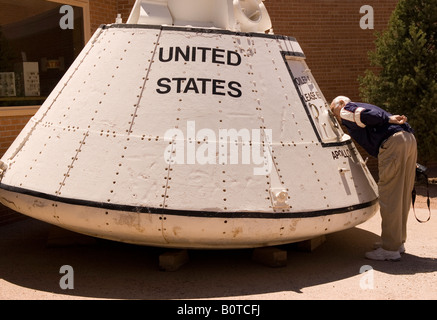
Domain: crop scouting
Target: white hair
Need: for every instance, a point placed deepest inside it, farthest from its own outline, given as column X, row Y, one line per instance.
column 337, row 101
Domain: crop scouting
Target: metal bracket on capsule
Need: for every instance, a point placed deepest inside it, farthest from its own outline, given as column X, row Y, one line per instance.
column 279, row 198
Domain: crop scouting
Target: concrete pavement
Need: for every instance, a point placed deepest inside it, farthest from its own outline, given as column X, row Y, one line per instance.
column 29, row 269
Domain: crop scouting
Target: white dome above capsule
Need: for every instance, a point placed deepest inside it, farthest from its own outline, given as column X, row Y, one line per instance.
column 232, row 15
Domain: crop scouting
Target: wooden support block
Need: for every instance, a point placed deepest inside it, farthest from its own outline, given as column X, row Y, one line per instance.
column 173, row 260
column 59, row 237
column 311, row 245
column 270, row 256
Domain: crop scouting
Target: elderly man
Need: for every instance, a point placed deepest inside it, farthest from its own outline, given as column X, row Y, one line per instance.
column 390, row 139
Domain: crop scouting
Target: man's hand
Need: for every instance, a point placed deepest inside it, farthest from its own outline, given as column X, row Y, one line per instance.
column 397, row 119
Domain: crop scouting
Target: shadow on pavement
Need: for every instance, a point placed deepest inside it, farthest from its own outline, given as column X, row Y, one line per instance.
column 121, row 271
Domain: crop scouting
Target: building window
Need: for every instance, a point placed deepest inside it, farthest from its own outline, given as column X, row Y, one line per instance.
column 37, row 46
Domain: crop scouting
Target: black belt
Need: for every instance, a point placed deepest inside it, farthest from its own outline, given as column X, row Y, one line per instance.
column 385, row 140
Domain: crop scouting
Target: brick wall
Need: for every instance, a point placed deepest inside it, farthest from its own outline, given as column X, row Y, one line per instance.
column 102, row 12
column 10, row 127
column 124, row 8
column 105, row 11
column 330, row 35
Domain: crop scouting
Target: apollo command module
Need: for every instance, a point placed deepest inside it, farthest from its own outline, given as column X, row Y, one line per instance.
column 190, row 126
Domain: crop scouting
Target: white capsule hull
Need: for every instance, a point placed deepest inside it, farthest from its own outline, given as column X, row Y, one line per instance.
column 187, row 137
column 195, row 230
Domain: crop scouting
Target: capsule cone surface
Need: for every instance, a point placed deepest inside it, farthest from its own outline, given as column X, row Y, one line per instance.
column 189, row 138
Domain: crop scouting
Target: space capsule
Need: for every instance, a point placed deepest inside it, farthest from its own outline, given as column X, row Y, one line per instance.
column 191, row 126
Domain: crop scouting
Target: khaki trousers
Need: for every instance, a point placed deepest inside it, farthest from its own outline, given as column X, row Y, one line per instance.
column 397, row 170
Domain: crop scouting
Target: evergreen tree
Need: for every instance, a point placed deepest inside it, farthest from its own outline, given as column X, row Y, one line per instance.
column 405, row 78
